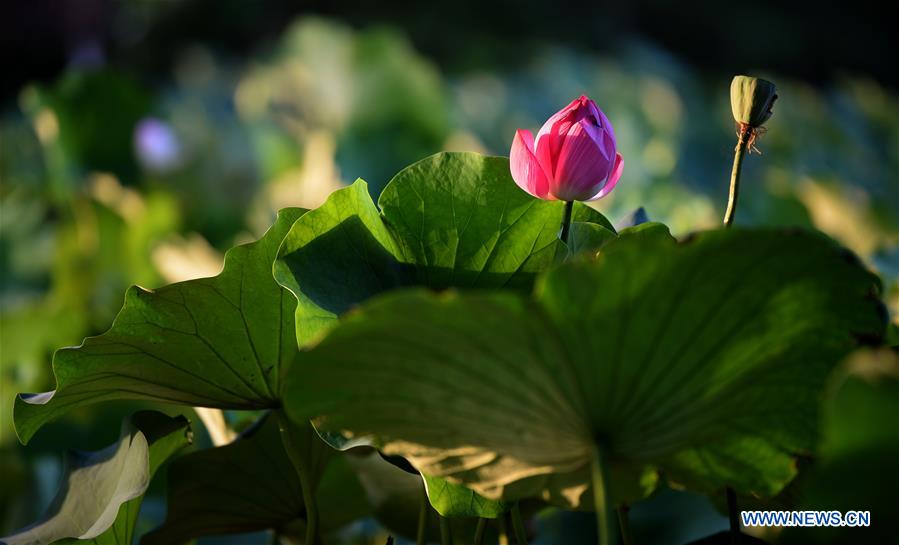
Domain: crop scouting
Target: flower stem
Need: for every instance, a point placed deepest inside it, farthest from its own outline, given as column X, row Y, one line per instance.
column 479, row 531
column 566, row 221
column 446, row 536
column 739, row 153
column 521, row 536
column 503, row 530
column 292, row 449
column 601, row 502
column 422, row 516
column 624, row 524
column 733, row 516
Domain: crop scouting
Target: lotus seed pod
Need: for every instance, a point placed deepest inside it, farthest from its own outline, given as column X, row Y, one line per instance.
column 751, row 100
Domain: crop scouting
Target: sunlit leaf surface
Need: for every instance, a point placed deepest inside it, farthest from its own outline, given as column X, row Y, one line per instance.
column 216, row 342
column 451, row 220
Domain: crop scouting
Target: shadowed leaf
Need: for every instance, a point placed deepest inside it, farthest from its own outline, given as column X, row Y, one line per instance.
column 250, row 485
column 102, row 491
column 660, row 353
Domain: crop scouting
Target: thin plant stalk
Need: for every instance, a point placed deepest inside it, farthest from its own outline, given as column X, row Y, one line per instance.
column 624, row 525
column 479, row 531
column 309, row 501
column 216, row 425
column 521, row 536
column 446, row 536
column 733, row 516
column 422, row 516
column 566, row 221
column 743, row 140
column 601, row 500
column 503, row 530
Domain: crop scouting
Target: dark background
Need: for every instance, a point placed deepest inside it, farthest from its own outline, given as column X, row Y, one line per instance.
column 809, row 39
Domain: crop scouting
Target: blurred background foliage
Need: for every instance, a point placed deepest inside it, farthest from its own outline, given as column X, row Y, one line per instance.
column 141, row 140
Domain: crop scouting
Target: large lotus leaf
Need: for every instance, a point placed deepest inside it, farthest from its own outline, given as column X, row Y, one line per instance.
column 251, row 485
column 450, row 220
column 673, row 355
column 856, row 469
column 213, row 342
column 101, row 491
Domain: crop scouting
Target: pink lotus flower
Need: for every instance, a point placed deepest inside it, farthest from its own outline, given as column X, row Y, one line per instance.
column 573, row 158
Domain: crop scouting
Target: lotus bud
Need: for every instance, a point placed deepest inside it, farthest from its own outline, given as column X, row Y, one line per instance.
column 751, row 100
column 573, row 157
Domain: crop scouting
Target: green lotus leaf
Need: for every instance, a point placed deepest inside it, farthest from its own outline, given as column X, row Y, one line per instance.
column 448, row 499
column 456, row 500
column 213, row 342
column 398, row 496
column 450, row 220
column 856, row 467
column 588, row 237
column 101, row 491
column 703, row 359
